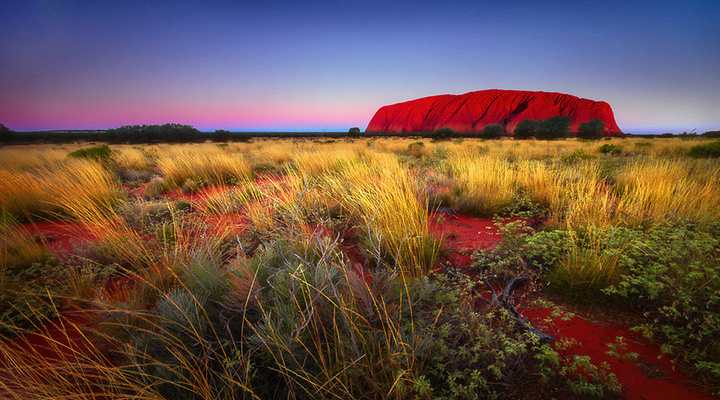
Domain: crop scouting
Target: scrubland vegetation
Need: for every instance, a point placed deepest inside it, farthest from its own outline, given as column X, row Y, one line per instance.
column 308, row 269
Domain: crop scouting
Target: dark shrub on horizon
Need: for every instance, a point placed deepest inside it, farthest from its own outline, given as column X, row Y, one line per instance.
column 592, row 129
column 354, row 131
column 525, row 129
column 444, row 134
column 220, row 135
column 494, row 131
column 6, row 134
column 553, row 128
column 166, row 133
column 711, row 134
column 709, row 150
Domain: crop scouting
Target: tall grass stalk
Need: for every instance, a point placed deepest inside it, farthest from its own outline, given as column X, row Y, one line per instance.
column 207, row 165
column 657, row 190
column 392, row 212
column 79, row 188
column 482, row 185
column 589, row 266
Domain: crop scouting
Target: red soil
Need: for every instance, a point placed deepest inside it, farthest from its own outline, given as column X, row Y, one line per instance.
column 652, row 376
column 464, row 234
column 61, row 237
column 56, row 340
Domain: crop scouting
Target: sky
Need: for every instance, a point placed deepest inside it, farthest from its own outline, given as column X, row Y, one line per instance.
column 329, row 65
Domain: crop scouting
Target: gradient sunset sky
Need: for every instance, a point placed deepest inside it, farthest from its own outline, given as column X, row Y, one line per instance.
column 329, row 65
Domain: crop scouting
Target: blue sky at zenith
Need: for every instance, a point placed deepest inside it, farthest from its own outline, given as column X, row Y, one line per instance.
column 329, row 65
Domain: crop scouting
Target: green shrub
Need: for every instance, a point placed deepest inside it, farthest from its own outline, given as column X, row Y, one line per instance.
column 672, row 278
column 444, row 134
column 668, row 274
column 576, row 156
column 525, row 129
column 101, row 154
column 592, row 129
column 494, row 131
column 610, row 149
column 553, row 128
column 709, row 150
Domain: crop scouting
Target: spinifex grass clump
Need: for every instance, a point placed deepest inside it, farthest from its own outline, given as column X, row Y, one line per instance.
column 577, row 263
column 592, row 263
column 232, row 200
column 206, row 166
column 77, row 188
column 481, row 185
column 651, row 192
column 293, row 320
column 391, row 213
column 322, row 160
column 27, row 274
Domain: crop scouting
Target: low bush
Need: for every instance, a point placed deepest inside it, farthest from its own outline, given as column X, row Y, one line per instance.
column 444, row 134
column 610, row 149
column 295, row 319
column 667, row 272
column 672, row 278
column 525, row 129
column 101, row 154
column 709, row 150
column 592, row 129
column 575, row 157
column 494, row 131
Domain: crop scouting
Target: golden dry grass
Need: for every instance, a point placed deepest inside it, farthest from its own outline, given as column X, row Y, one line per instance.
column 79, row 188
column 380, row 186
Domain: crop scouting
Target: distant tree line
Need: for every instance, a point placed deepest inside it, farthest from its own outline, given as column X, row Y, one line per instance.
column 166, row 133
column 551, row 128
column 557, row 127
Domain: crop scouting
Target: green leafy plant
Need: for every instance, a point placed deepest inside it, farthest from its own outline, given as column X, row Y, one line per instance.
column 101, row 154
column 709, row 150
column 610, row 149
column 592, row 129
column 575, row 157
column 553, row 128
column 525, row 129
column 619, row 350
column 494, row 131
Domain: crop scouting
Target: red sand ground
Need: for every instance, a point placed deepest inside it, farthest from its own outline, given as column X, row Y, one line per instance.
column 651, row 376
column 60, row 237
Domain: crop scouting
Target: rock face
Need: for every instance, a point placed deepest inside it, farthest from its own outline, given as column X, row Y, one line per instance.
column 471, row 112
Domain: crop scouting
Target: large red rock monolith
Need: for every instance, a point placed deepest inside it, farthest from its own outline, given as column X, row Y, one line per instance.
column 471, row 112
